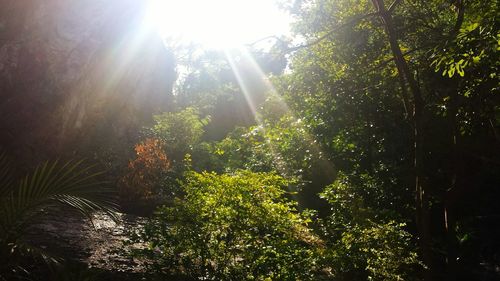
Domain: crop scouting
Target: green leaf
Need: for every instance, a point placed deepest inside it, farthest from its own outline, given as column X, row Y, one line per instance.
column 451, row 72
column 460, row 69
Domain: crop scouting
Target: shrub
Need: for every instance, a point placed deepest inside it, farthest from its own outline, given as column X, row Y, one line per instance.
column 146, row 173
column 364, row 243
column 179, row 131
column 233, row 227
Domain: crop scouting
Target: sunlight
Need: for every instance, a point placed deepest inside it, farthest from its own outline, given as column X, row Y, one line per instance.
column 237, row 60
column 217, row 23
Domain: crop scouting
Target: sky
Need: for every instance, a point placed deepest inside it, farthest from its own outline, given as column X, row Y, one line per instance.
column 218, row 23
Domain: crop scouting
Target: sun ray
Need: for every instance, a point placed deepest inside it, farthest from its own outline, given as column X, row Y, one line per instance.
column 244, row 57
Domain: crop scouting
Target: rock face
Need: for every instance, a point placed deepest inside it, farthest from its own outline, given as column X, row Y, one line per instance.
column 100, row 244
column 78, row 75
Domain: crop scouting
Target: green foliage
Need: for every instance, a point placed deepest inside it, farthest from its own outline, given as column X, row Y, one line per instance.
column 210, row 85
column 180, row 131
column 245, row 148
column 343, row 105
column 374, row 252
column 344, row 85
column 363, row 242
column 209, row 79
column 233, row 227
column 469, row 62
column 280, row 144
column 474, row 43
column 355, row 199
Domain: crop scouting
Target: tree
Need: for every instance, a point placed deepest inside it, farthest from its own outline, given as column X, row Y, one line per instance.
column 179, row 131
column 365, row 81
column 280, row 143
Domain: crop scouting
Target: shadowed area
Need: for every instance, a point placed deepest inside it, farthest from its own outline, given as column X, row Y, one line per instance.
column 73, row 70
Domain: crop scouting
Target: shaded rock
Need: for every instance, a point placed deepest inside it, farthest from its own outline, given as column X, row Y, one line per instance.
column 100, row 244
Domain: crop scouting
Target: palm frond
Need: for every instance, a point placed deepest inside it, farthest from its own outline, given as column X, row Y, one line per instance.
column 51, row 184
column 73, row 184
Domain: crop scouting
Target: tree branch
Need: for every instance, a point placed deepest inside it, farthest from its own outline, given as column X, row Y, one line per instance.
column 332, row 31
column 319, row 39
column 460, row 16
column 266, row 38
column 393, row 5
column 387, row 61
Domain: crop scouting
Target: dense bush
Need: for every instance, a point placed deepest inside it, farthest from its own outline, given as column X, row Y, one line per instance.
column 376, row 252
column 179, row 131
column 363, row 242
column 283, row 144
column 146, row 173
column 233, row 227
column 279, row 144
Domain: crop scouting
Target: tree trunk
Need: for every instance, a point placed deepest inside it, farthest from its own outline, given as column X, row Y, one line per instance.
column 421, row 196
column 453, row 194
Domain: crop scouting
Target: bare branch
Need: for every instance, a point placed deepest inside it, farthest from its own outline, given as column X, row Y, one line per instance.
column 277, row 38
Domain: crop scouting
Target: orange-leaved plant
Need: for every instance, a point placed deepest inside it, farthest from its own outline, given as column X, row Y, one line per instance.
column 146, row 172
